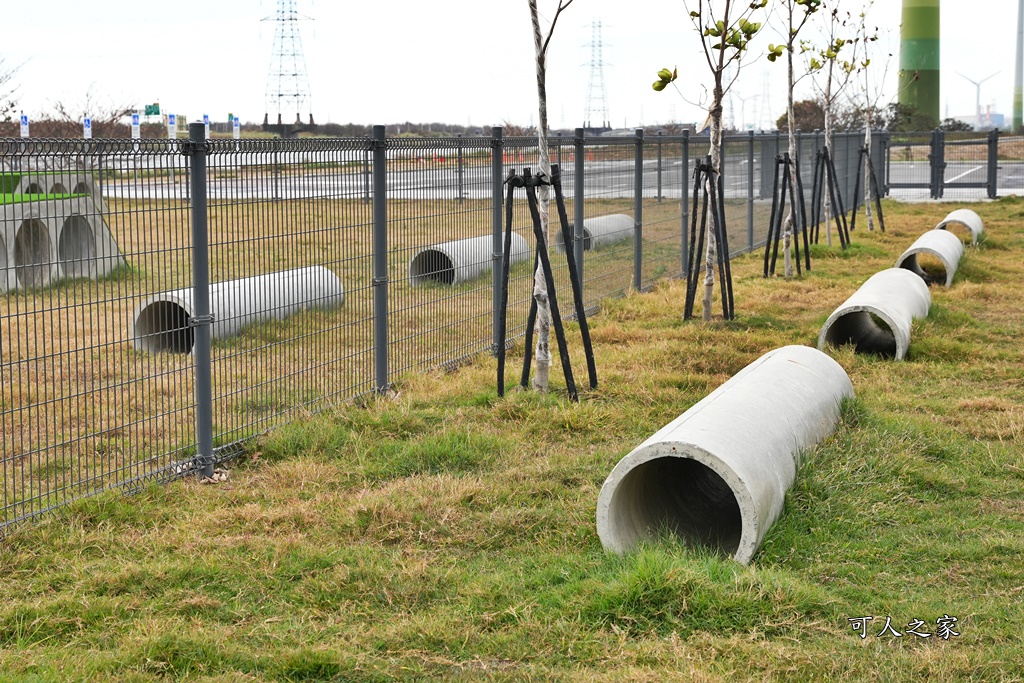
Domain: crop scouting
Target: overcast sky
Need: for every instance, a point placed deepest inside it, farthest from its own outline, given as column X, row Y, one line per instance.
column 454, row 61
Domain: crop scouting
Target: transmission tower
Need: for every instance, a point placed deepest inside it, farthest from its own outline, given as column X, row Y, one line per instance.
column 287, row 83
column 597, row 103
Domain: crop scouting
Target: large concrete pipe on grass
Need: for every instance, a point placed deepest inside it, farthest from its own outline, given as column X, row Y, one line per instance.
column 451, row 263
column 601, row 230
column 717, row 475
column 966, row 218
column 878, row 317
column 941, row 245
column 164, row 322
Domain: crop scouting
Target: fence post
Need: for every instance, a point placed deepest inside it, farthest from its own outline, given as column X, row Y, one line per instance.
column 497, row 276
column 993, row 163
column 937, row 165
column 685, row 194
column 378, row 147
column 750, row 189
column 202, row 321
column 638, row 209
column 458, row 143
column 577, row 202
column 660, row 134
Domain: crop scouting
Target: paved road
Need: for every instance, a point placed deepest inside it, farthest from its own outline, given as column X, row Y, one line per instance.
column 603, row 179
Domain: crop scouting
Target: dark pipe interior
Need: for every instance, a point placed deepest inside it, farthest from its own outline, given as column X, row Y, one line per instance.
column 868, row 332
column 681, row 496
column 164, row 326
column 32, row 253
column 76, row 247
column 433, row 265
column 928, row 267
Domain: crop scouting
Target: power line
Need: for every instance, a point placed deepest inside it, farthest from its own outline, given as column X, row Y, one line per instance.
column 597, row 101
column 287, row 82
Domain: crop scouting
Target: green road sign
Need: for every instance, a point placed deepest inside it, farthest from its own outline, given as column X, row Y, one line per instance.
column 153, row 109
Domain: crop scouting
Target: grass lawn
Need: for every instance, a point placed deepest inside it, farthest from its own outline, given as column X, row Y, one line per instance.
column 447, row 534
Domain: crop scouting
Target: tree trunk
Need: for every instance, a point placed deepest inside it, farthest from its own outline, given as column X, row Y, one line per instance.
column 828, row 146
column 868, row 190
column 711, row 253
column 787, row 234
column 540, row 289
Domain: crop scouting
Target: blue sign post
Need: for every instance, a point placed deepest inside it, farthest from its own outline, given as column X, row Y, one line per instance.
column 24, row 125
column 136, row 132
column 87, row 128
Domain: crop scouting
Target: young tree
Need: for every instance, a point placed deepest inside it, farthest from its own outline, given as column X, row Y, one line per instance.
column 836, row 74
column 796, row 14
column 868, row 98
column 540, row 290
column 724, row 38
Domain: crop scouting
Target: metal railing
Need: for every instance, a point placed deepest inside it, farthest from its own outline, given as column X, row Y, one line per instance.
column 163, row 301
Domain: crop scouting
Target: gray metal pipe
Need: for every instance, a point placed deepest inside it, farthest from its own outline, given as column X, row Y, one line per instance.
column 601, row 230
column 717, row 475
column 940, row 244
column 878, row 317
column 966, row 218
column 164, row 322
column 451, row 263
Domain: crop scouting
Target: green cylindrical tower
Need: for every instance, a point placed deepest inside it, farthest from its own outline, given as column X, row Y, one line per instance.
column 919, row 58
column 1018, row 78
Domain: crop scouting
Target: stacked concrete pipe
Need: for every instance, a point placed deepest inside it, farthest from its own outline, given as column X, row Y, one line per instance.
column 878, row 317
column 717, row 475
column 601, row 230
column 164, row 322
column 966, row 218
column 451, row 263
column 941, row 244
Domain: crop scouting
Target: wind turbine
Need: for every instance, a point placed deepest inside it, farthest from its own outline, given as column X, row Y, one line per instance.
column 977, row 98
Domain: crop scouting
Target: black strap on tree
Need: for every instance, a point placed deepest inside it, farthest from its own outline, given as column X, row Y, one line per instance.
column 574, row 275
column 511, row 183
column 531, row 182
column 874, row 188
column 709, row 201
column 825, row 179
column 781, row 189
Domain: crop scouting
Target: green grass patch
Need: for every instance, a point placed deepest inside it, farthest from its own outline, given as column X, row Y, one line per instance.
column 444, row 533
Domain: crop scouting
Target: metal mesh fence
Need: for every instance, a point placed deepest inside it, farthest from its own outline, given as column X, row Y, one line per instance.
column 334, row 266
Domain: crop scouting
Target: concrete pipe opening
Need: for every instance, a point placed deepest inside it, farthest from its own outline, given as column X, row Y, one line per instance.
column 934, row 257
column 868, row 332
column 34, row 188
column 431, row 265
column 878, row 317
column 82, row 188
column 164, row 326
column 58, row 188
column 716, row 477
column 76, row 247
column 33, row 255
column 458, row 261
column 601, row 230
column 966, row 221
column 682, row 497
column 164, row 322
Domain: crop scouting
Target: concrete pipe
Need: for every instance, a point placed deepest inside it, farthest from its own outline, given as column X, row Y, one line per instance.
column 939, row 244
column 966, row 218
column 878, row 317
column 164, row 322
column 451, row 263
column 601, row 230
column 717, row 475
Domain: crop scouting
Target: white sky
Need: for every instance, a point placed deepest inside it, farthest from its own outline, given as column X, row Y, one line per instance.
column 453, row 61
